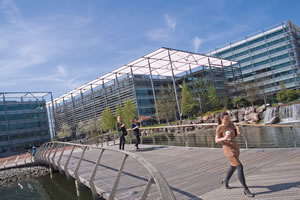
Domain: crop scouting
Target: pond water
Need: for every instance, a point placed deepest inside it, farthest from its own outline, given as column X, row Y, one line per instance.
column 44, row 188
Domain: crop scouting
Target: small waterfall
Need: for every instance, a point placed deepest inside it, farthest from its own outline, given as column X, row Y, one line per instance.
column 270, row 113
column 289, row 113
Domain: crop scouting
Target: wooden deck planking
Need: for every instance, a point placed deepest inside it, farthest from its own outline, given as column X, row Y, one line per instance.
column 195, row 173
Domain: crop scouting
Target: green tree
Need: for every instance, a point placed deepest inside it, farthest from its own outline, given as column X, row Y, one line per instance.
column 81, row 128
column 108, row 120
column 91, row 127
column 252, row 92
column 292, row 95
column 240, row 102
column 188, row 103
column 201, row 89
column 166, row 104
column 119, row 111
column 98, row 125
column 129, row 112
column 227, row 103
column 285, row 95
column 282, row 95
column 65, row 131
column 213, row 98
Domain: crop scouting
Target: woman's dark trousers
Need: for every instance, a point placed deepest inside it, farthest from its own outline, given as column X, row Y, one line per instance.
column 122, row 142
column 137, row 141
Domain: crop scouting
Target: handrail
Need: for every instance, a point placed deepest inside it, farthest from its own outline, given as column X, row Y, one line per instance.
column 16, row 161
column 182, row 129
column 215, row 124
column 183, row 126
column 156, row 176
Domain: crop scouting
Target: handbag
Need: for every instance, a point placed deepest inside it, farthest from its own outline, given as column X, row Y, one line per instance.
column 124, row 131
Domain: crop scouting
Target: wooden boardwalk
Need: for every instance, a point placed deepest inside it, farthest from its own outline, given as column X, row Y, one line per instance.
column 194, row 173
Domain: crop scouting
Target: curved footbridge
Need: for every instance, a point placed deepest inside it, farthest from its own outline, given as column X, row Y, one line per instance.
column 169, row 172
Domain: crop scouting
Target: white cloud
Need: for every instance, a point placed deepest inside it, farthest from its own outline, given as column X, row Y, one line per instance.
column 12, row 13
column 170, row 22
column 196, row 43
column 163, row 33
column 158, row 35
column 61, row 70
column 30, row 50
column 60, row 75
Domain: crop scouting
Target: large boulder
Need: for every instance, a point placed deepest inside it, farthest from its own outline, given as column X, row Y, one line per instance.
column 234, row 118
column 242, row 111
column 261, row 109
column 235, row 113
column 205, row 118
column 275, row 120
column 185, row 122
column 216, row 120
column 241, row 117
column 249, row 110
column 247, row 117
column 254, row 117
column 199, row 120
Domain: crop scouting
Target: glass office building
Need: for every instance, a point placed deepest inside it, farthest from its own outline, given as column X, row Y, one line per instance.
column 267, row 58
column 141, row 81
column 23, row 121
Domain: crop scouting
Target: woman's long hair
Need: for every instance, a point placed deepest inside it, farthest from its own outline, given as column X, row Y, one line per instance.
column 222, row 115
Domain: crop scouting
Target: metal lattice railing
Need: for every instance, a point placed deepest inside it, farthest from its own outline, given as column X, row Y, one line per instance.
column 16, row 161
column 51, row 153
column 203, row 135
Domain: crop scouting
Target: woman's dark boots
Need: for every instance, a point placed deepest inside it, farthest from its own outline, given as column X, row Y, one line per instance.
column 230, row 171
column 243, row 181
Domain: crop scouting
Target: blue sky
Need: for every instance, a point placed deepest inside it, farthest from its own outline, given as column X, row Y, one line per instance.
column 58, row 45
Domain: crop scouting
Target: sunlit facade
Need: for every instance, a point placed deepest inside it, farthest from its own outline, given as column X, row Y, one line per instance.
column 141, row 81
column 267, row 58
column 23, row 121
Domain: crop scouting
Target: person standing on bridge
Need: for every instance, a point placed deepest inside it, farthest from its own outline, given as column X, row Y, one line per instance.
column 122, row 132
column 136, row 131
column 226, row 133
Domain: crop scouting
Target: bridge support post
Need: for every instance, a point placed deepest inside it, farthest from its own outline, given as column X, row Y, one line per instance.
column 77, row 188
column 114, row 189
column 147, row 188
column 78, row 165
column 294, row 136
column 59, row 159
column 67, row 163
column 48, row 156
column 52, row 159
column 245, row 139
column 25, row 158
column 51, row 173
column 91, row 182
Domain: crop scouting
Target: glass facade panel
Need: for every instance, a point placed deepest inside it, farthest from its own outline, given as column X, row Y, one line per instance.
column 22, row 124
column 271, row 55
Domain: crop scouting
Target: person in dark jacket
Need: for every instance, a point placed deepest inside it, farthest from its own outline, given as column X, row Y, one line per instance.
column 122, row 132
column 135, row 127
column 33, row 151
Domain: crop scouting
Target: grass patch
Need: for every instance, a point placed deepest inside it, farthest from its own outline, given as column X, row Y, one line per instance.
column 156, row 125
column 286, row 104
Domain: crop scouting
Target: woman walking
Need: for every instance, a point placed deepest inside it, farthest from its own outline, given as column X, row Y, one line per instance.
column 226, row 133
column 135, row 127
column 122, row 132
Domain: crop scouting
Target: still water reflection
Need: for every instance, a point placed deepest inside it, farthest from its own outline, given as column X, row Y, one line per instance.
column 44, row 188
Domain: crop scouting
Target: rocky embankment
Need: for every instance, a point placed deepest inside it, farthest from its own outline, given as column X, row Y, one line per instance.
column 14, row 175
column 250, row 115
